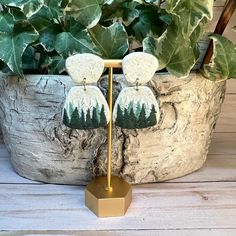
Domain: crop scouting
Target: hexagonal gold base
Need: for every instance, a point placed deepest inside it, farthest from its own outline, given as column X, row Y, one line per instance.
column 105, row 203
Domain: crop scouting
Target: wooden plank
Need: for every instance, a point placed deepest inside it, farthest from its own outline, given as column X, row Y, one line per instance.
column 227, row 119
column 177, row 232
column 156, row 206
column 231, row 86
column 223, row 144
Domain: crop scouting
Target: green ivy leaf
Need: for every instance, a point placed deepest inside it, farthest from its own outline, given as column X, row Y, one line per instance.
column 182, row 61
column 88, row 13
column 234, row 28
column 13, row 43
column 223, row 64
column 148, row 23
column 77, row 40
column 124, row 11
column 6, row 22
column 198, row 32
column 172, row 54
column 46, row 27
column 29, row 61
column 53, row 8
column 190, row 13
column 129, row 12
column 56, row 65
column 111, row 41
column 196, row 36
column 29, row 7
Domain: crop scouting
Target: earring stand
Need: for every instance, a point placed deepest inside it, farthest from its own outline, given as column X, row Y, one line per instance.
column 109, row 195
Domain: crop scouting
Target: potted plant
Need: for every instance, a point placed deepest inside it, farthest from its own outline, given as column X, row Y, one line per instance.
column 35, row 39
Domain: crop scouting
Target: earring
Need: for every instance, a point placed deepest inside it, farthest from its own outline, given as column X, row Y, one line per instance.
column 136, row 107
column 85, row 106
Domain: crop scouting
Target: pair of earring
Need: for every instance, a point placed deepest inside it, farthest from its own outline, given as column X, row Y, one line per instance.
column 136, row 106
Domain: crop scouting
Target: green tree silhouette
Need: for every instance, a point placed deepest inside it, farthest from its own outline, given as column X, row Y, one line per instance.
column 71, row 109
column 88, row 120
column 95, row 121
column 75, row 120
column 138, row 110
column 126, row 121
column 119, row 117
column 130, row 106
column 66, row 120
column 82, row 120
column 142, row 120
column 103, row 119
column 132, row 122
column 152, row 119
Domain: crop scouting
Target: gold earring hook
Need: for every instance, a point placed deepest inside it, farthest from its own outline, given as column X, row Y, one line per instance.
column 84, row 84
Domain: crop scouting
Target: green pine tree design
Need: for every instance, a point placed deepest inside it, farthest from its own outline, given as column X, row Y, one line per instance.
column 138, row 110
column 95, row 120
column 142, row 120
column 152, row 119
column 103, row 119
column 66, row 120
column 129, row 119
column 89, row 124
column 126, row 121
column 135, row 120
column 75, row 120
column 82, row 120
column 71, row 109
column 132, row 118
column 119, row 117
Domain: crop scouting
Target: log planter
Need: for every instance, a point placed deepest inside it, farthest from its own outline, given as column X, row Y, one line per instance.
column 43, row 149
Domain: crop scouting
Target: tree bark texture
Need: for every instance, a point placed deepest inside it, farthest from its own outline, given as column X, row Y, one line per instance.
column 44, row 149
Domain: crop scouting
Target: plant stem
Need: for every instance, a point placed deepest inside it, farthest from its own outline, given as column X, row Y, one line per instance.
column 221, row 25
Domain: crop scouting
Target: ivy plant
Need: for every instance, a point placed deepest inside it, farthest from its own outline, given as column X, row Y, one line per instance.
column 38, row 35
column 223, row 65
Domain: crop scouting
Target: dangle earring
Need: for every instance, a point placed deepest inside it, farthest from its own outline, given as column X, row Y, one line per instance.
column 136, row 107
column 85, row 106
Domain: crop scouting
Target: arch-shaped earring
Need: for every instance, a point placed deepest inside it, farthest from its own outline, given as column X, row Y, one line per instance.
column 136, row 107
column 85, row 106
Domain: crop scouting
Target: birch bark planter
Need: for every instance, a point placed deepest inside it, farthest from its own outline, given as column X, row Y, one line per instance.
column 43, row 149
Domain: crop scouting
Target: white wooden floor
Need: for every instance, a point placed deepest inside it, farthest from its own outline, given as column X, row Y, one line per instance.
column 203, row 203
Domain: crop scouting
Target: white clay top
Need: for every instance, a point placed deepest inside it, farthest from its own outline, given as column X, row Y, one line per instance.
column 139, row 65
column 85, row 66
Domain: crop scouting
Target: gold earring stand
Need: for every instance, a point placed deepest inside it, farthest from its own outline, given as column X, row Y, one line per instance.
column 109, row 195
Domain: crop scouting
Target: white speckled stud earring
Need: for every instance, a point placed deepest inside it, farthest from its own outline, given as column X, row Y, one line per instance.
column 85, row 106
column 136, row 107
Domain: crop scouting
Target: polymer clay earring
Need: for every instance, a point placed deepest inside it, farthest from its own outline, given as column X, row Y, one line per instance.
column 85, row 106
column 136, row 107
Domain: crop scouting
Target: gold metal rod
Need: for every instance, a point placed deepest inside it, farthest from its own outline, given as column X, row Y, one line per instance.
column 114, row 63
column 109, row 133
